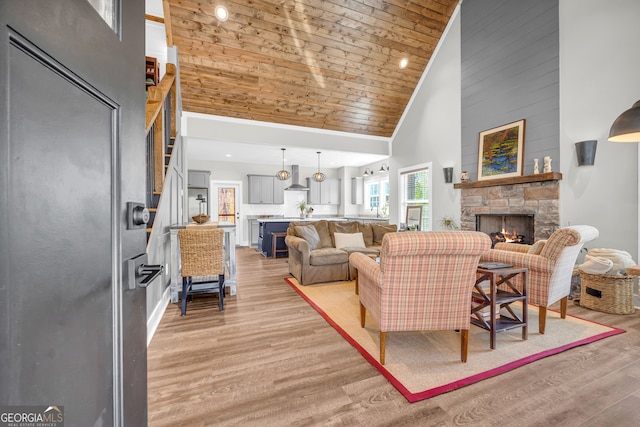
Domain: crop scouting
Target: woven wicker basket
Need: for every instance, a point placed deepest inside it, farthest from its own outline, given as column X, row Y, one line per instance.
column 609, row 294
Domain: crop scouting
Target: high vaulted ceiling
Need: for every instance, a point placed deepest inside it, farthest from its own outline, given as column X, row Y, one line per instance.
column 326, row 64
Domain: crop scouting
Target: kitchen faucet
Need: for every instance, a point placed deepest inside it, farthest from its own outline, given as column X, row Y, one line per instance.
column 377, row 211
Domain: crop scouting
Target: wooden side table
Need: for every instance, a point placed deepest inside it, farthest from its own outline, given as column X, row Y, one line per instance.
column 497, row 299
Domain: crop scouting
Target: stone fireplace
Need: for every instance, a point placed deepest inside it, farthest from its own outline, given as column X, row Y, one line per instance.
column 531, row 198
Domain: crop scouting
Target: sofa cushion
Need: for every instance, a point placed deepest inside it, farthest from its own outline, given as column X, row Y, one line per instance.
column 308, row 233
column 379, row 230
column 328, row 256
column 367, row 234
column 366, row 251
column 348, row 240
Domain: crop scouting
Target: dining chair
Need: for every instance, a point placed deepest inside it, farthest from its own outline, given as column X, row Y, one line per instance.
column 202, row 257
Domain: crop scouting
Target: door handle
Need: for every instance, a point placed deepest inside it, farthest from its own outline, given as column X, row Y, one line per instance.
column 148, row 273
column 138, row 273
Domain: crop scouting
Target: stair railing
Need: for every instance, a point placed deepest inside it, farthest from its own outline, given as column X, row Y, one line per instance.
column 160, row 132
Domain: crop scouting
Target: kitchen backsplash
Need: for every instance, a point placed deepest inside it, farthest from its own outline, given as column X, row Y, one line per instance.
column 289, row 208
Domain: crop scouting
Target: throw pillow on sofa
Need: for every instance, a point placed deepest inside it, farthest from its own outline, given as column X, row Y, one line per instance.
column 380, row 230
column 367, row 234
column 349, row 240
column 322, row 227
column 342, row 227
column 308, row 233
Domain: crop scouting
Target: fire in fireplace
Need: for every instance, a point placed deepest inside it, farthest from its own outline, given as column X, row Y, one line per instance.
column 513, row 228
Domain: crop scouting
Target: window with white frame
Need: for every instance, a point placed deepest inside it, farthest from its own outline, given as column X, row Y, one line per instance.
column 376, row 192
column 415, row 187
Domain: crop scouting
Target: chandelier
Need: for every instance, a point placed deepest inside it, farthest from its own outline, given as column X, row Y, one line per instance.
column 283, row 174
column 318, row 176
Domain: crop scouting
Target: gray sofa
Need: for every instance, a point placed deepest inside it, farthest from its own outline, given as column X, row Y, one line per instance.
column 317, row 254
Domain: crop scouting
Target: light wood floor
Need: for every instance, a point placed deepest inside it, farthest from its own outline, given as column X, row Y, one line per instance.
column 270, row 360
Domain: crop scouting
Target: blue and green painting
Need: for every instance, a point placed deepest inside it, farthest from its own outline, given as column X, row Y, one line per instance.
column 500, row 152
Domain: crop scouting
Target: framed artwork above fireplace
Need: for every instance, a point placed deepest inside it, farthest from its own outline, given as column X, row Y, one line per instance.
column 501, row 151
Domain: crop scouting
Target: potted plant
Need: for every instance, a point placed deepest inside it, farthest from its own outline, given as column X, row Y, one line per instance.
column 302, row 206
column 448, row 223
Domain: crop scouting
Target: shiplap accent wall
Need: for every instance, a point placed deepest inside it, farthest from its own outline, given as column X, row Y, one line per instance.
column 510, row 71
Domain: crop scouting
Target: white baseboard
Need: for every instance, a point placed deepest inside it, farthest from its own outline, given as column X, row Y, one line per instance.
column 156, row 316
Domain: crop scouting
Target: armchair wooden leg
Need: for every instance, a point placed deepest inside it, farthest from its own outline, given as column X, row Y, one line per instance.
column 363, row 314
column 542, row 318
column 563, row 307
column 357, row 282
column 464, row 344
column 383, row 340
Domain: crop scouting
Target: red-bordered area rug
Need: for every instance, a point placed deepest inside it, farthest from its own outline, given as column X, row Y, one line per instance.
column 425, row 364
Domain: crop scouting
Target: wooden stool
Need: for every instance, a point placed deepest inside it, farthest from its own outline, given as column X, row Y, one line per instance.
column 274, row 243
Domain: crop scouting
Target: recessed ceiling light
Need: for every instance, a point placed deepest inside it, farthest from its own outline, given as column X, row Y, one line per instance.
column 404, row 62
column 221, row 13
column 227, row 155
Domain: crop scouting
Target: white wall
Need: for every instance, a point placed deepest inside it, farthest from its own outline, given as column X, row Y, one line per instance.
column 599, row 79
column 431, row 129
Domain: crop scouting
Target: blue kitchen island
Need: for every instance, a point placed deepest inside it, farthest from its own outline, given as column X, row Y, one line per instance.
column 268, row 226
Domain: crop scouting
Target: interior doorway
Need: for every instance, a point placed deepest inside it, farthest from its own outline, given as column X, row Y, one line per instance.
column 225, row 201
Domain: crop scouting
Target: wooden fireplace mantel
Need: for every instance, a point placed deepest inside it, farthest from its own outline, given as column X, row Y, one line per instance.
column 549, row 176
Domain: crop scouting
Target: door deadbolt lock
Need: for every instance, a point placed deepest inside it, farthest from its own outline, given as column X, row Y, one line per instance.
column 137, row 215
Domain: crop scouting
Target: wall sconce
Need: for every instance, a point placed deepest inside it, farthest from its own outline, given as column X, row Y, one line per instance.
column 367, row 172
column 626, row 128
column 448, row 175
column 384, row 168
column 586, row 151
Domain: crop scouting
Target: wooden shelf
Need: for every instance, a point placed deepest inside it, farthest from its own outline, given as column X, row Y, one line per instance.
column 549, row 176
column 152, row 71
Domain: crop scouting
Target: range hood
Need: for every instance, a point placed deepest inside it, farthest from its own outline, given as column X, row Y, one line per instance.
column 295, row 180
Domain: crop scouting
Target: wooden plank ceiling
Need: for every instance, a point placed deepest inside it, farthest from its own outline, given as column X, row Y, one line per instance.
column 327, row 64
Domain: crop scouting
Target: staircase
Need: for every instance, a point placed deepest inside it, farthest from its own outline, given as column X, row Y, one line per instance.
column 160, row 139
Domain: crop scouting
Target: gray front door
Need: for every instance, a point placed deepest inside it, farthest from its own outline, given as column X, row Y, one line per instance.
column 72, row 154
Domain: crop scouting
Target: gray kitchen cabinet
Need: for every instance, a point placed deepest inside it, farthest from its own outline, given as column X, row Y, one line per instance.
column 357, row 190
column 265, row 189
column 326, row 192
column 198, row 183
column 313, row 195
column 278, row 191
column 198, row 179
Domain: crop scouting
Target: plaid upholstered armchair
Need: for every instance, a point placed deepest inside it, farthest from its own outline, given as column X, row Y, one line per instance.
column 423, row 282
column 550, row 265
